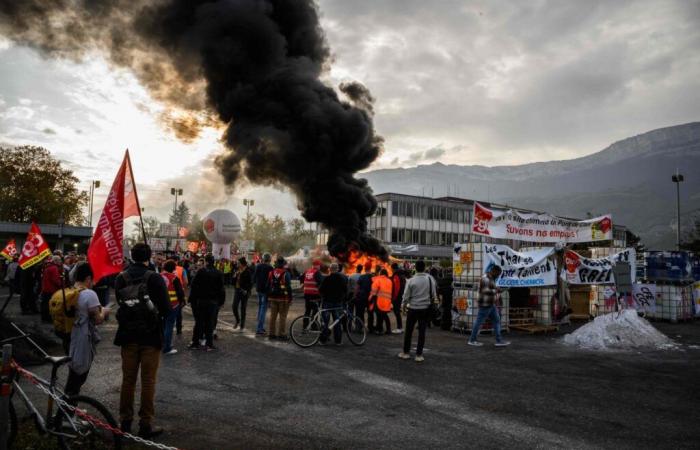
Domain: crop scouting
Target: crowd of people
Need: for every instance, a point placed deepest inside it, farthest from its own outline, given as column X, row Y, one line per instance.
column 152, row 291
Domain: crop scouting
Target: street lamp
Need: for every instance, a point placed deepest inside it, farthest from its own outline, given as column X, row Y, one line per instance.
column 678, row 179
column 93, row 185
column 248, row 203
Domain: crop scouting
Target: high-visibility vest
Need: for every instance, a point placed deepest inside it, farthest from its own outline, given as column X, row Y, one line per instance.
column 169, row 279
column 180, row 272
column 381, row 288
column 310, row 285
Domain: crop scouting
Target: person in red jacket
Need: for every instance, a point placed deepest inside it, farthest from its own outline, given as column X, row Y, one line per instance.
column 51, row 281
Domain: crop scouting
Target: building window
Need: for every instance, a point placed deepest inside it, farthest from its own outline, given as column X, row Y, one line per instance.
column 394, row 208
column 409, row 209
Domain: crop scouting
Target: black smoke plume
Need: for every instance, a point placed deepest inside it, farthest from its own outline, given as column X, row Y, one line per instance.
column 255, row 65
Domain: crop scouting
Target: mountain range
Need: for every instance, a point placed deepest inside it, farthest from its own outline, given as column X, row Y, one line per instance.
column 631, row 179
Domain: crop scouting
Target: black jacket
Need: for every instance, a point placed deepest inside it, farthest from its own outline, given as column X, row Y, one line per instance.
column 334, row 288
column 244, row 280
column 262, row 273
column 208, row 287
column 157, row 292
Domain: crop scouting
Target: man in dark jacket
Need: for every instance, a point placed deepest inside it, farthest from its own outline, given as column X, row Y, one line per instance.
column 333, row 289
column 445, row 293
column 364, row 287
column 140, row 336
column 243, row 283
column 207, row 295
column 398, row 281
column 260, row 278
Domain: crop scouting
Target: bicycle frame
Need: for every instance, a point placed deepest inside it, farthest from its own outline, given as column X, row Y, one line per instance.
column 345, row 313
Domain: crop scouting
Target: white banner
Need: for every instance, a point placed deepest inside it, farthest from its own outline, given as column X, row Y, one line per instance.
column 644, row 296
column 532, row 227
column 581, row 270
column 158, row 244
column 178, row 245
column 168, row 230
column 526, row 269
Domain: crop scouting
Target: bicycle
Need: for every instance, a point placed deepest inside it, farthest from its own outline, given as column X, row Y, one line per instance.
column 306, row 331
column 79, row 421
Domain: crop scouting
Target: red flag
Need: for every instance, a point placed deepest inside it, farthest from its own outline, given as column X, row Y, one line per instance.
column 106, row 253
column 35, row 248
column 10, row 250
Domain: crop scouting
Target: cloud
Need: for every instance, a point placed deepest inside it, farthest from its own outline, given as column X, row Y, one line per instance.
column 434, row 153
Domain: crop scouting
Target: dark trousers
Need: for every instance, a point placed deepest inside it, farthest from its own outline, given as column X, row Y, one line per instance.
column 178, row 321
column 44, row 307
column 446, row 322
column 333, row 310
column 310, row 308
column 382, row 320
column 421, row 317
column 240, row 302
column 205, row 314
column 370, row 316
column 74, row 383
column 360, row 308
column 397, row 313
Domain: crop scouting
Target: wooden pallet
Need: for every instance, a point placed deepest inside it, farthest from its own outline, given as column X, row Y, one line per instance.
column 534, row 328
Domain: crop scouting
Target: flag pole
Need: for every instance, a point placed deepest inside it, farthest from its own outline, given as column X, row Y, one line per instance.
column 136, row 195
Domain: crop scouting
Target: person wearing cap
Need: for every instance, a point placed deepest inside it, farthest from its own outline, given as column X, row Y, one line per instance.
column 260, row 279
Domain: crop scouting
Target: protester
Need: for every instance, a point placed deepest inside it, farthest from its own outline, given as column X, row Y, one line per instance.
column 445, row 293
column 11, row 277
column 488, row 308
column 398, row 280
column 176, row 295
column 181, row 273
column 207, row 295
column 261, row 279
column 333, row 290
column 27, row 288
column 364, row 287
column 280, row 297
column 419, row 294
column 84, row 336
column 311, row 281
column 71, row 273
column 51, row 281
column 243, row 283
column 380, row 296
column 140, row 336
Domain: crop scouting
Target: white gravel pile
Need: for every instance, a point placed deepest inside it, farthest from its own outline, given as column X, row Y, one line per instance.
column 619, row 331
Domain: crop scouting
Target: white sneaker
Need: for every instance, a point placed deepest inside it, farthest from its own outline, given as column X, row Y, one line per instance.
column 475, row 343
column 420, row 359
column 397, row 331
column 236, row 328
column 502, row 344
column 403, row 355
column 202, row 342
column 171, row 352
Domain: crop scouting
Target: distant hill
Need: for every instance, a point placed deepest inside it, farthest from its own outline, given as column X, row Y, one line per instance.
column 630, row 179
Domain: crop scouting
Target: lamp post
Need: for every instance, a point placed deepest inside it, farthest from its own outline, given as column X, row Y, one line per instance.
column 93, row 185
column 678, row 179
column 248, row 203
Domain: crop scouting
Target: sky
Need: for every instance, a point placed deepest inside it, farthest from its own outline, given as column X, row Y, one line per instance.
column 456, row 82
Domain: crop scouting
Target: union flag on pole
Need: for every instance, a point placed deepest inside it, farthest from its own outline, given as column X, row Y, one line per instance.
column 10, row 250
column 35, row 248
column 106, row 252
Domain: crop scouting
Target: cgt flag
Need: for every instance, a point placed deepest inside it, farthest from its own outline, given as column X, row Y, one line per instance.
column 35, row 248
column 10, row 250
column 106, row 253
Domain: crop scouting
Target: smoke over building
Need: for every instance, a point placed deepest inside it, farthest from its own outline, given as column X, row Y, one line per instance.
column 251, row 65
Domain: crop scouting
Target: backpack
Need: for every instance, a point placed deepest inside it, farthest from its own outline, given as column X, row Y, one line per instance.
column 137, row 315
column 62, row 308
column 278, row 286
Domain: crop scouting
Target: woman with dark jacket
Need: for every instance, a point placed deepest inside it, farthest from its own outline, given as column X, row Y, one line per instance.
column 243, row 283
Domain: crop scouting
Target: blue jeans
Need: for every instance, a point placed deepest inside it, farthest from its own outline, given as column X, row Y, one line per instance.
column 262, row 311
column 335, row 311
column 168, row 329
column 487, row 312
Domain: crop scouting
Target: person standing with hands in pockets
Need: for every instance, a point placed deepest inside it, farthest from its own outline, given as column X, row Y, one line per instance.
column 419, row 298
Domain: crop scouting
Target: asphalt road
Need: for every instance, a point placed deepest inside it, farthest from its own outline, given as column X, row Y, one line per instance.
column 537, row 393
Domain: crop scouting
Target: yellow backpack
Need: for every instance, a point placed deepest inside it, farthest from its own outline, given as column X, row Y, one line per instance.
column 62, row 307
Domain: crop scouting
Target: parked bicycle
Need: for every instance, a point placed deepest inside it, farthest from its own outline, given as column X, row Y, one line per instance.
column 306, row 331
column 76, row 421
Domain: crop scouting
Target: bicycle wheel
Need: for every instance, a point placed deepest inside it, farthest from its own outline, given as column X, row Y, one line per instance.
column 356, row 331
column 305, row 336
column 84, row 434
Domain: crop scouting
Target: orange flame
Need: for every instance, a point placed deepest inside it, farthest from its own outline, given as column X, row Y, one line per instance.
column 356, row 257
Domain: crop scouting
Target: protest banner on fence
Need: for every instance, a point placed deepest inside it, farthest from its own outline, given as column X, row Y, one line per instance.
column 581, row 270
column 644, row 296
column 521, row 269
column 533, row 227
column 158, row 244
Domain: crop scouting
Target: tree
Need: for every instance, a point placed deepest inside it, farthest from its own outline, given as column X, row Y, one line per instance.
column 275, row 235
column 691, row 240
column 35, row 186
column 181, row 216
column 195, row 230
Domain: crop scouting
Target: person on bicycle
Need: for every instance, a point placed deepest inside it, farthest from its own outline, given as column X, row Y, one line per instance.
column 312, row 280
column 333, row 290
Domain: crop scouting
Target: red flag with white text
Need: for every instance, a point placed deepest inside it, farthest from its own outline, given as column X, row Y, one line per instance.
column 106, row 252
column 10, row 250
column 35, row 248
